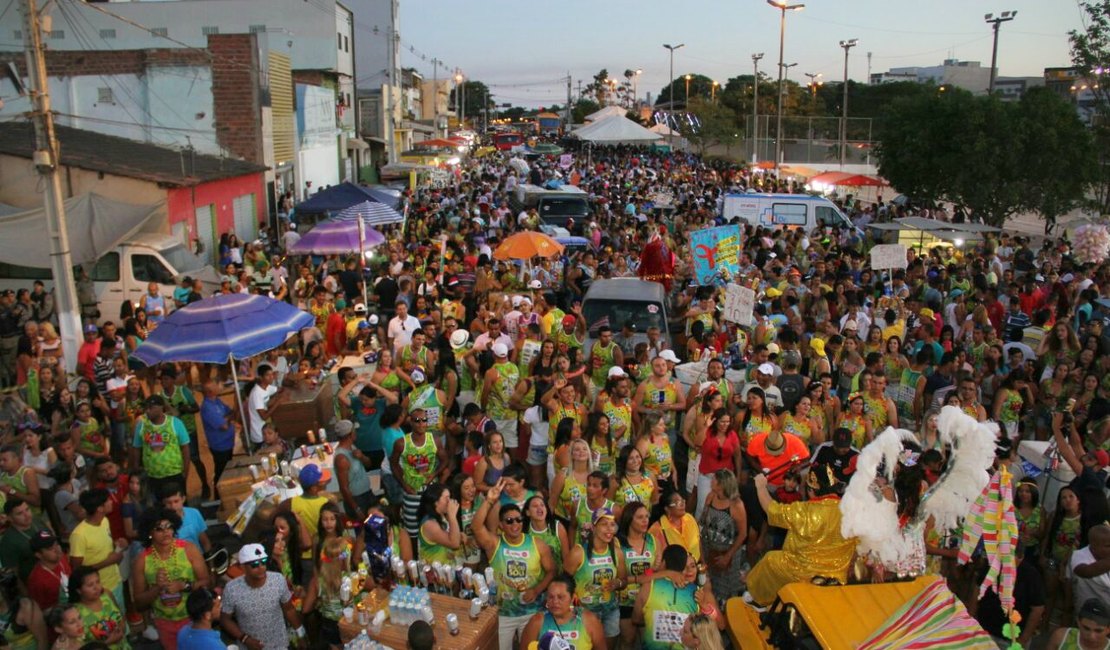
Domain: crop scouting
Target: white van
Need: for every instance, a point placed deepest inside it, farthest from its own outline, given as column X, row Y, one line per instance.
column 124, row 273
column 786, row 210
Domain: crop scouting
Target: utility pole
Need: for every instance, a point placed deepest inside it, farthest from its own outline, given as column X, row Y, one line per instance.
column 46, row 162
column 783, row 7
column 566, row 125
column 670, row 104
column 869, row 68
column 435, row 97
column 391, row 78
column 996, row 22
column 847, row 45
column 755, row 107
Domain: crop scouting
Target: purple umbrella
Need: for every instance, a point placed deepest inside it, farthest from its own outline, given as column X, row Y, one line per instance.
column 336, row 238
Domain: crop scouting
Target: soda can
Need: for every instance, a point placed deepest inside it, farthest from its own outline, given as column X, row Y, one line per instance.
column 254, row 472
column 266, row 465
column 475, row 608
column 453, row 624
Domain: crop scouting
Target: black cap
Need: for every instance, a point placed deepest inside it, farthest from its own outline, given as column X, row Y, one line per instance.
column 1094, row 610
column 156, row 400
column 42, row 540
column 842, row 438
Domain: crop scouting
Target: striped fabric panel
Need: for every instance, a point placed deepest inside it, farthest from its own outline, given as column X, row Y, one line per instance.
column 933, row 619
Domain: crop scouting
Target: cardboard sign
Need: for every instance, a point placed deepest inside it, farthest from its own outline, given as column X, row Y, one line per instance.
column 715, row 251
column 888, row 256
column 739, row 305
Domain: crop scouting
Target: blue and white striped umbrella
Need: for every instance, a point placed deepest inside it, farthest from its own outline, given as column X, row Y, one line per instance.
column 372, row 213
column 222, row 328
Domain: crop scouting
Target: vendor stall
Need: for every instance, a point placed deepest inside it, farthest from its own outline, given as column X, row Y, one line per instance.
column 307, row 407
column 474, row 634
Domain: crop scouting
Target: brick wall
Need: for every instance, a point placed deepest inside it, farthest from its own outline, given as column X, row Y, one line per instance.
column 76, row 63
column 236, row 95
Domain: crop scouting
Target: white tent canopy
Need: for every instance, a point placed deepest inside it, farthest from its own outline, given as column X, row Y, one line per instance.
column 95, row 224
column 608, row 111
column 616, row 130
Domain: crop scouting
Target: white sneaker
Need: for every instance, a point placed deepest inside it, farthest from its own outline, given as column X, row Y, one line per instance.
column 150, row 634
column 747, row 598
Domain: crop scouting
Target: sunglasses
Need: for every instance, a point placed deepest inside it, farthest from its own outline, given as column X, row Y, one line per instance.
column 164, row 527
column 256, row 563
column 510, row 521
column 420, row 419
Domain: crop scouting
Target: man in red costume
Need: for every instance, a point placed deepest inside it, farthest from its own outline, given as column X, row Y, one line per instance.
column 657, row 261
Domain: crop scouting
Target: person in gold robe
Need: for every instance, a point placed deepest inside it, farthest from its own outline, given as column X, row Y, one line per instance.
column 813, row 547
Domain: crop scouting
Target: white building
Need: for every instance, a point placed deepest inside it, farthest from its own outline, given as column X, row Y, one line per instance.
column 969, row 75
column 311, row 43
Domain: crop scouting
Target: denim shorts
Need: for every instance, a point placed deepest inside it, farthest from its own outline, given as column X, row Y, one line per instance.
column 537, row 456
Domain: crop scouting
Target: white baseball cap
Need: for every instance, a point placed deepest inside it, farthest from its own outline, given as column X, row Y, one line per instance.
column 535, row 284
column 373, row 320
column 252, row 553
column 669, row 355
column 516, row 300
column 500, row 350
column 766, row 369
column 617, row 371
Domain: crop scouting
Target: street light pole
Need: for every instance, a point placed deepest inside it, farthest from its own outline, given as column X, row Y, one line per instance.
column 686, row 98
column 847, row 45
column 635, row 91
column 713, row 92
column 996, row 22
column 813, row 83
column 670, row 107
column 755, row 106
column 783, row 8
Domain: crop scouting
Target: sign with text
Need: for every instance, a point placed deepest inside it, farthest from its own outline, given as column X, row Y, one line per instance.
column 888, row 256
column 739, row 305
column 715, row 251
column 566, row 160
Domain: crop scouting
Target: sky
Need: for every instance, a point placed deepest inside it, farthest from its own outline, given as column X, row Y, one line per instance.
column 522, row 49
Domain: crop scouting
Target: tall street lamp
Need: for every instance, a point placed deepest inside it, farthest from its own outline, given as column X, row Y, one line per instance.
column 670, row 108
column 755, row 106
column 713, row 91
column 813, row 83
column 996, row 22
column 847, row 45
column 783, row 7
column 460, row 102
column 635, row 92
column 686, row 97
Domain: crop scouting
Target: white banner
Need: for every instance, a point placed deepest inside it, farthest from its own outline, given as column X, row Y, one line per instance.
column 739, row 304
column 888, row 256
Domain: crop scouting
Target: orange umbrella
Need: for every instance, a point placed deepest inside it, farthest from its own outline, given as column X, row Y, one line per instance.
column 526, row 245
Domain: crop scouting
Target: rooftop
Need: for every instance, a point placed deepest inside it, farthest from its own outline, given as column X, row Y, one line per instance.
column 129, row 158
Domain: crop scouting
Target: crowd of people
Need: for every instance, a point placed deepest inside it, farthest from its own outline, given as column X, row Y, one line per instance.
column 617, row 505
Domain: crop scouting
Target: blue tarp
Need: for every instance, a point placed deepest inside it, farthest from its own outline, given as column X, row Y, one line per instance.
column 344, row 195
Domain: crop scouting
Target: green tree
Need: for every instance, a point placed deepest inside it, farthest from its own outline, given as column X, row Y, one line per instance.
column 1060, row 162
column 582, row 108
column 700, row 86
column 993, row 157
column 716, row 124
column 1090, row 54
column 475, row 94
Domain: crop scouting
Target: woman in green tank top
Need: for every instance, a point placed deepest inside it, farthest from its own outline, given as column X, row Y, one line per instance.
column 544, row 526
column 599, row 573
column 440, row 534
column 641, row 555
column 631, row 483
column 577, row 626
column 165, row 572
column 99, row 611
column 602, row 449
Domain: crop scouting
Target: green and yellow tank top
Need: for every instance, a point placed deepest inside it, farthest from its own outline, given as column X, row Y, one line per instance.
column 161, row 448
column 584, row 514
column 665, row 612
column 636, row 563
column 432, row 552
column 418, row 464
column 501, row 392
column 657, row 396
column 1071, row 641
column 101, row 625
column 529, row 350
column 516, row 569
column 408, row 358
column 556, row 416
column 550, row 536
column 466, row 380
column 167, row 606
column 604, row 460
column 573, row 632
column 627, row 492
column 798, row 427
column 91, row 436
column 606, row 354
column 658, row 461
column 874, row 409
column 572, row 492
column 620, row 420
column 856, row 426
column 592, row 579
column 1011, row 408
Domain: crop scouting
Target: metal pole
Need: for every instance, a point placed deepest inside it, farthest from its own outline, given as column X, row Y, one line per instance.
column 994, row 56
column 847, row 45
column 46, row 161
column 670, row 107
column 755, row 107
column 394, row 37
column 995, row 23
column 435, row 97
column 778, row 118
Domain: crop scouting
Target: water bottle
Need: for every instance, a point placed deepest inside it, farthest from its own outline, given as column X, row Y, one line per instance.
column 394, row 612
